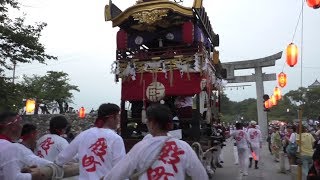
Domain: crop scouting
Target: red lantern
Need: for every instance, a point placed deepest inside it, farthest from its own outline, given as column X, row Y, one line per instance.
column 292, row 54
column 82, row 113
column 273, row 100
column 315, row 4
column 268, row 104
column 277, row 93
column 282, row 79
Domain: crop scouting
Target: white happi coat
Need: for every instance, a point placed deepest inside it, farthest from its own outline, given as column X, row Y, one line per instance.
column 242, row 138
column 176, row 160
column 255, row 137
column 49, row 146
column 98, row 149
column 14, row 157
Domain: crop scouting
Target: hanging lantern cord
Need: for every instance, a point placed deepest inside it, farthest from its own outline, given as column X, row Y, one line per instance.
column 295, row 30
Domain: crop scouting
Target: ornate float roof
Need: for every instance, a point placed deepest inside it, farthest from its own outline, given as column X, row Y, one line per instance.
column 145, row 8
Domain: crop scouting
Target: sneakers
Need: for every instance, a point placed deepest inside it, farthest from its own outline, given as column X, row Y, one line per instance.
column 245, row 174
column 236, row 163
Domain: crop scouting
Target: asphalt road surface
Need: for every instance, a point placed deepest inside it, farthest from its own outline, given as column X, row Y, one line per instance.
column 268, row 169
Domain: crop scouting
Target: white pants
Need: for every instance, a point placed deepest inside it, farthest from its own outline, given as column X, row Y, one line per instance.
column 221, row 156
column 243, row 159
column 235, row 153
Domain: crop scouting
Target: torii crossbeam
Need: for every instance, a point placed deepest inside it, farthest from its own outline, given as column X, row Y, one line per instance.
column 258, row 77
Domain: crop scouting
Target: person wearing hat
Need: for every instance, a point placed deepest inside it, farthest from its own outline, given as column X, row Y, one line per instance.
column 276, row 143
column 99, row 148
column 50, row 145
column 255, row 139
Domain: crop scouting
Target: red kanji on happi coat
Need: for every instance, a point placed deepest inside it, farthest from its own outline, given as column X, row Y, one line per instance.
column 240, row 136
column 40, row 154
column 170, row 154
column 254, row 134
column 158, row 173
column 89, row 163
column 45, row 145
column 99, row 148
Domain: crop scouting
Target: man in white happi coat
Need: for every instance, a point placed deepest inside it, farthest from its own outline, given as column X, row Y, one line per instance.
column 99, row 148
column 242, row 138
column 159, row 156
column 255, row 139
column 50, row 145
column 14, row 156
column 27, row 145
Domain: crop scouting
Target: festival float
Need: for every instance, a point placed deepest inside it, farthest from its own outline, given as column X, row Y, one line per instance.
column 166, row 53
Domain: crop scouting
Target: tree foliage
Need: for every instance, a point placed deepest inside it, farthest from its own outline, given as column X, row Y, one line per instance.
column 285, row 110
column 308, row 100
column 53, row 87
column 19, row 43
column 11, row 94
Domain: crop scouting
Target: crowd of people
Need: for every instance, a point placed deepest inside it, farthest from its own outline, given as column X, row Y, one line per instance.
column 286, row 139
column 100, row 151
column 282, row 139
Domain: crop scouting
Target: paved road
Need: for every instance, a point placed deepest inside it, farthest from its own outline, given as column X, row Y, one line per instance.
column 268, row 169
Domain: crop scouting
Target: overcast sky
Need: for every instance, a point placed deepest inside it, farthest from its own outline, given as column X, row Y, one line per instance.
column 85, row 44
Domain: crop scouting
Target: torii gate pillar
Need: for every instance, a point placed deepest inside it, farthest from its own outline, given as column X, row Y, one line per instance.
column 258, row 78
column 262, row 115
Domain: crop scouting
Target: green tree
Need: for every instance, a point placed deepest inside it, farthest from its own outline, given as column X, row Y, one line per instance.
column 308, row 100
column 280, row 111
column 11, row 94
column 53, row 87
column 19, row 43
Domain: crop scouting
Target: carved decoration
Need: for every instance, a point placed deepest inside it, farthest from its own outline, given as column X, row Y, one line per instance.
column 150, row 17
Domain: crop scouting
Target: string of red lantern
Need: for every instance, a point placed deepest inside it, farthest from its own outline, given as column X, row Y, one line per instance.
column 292, row 55
column 277, row 93
column 273, row 100
column 282, row 79
column 292, row 52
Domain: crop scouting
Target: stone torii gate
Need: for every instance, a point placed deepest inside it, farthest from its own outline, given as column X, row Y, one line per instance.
column 258, row 77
